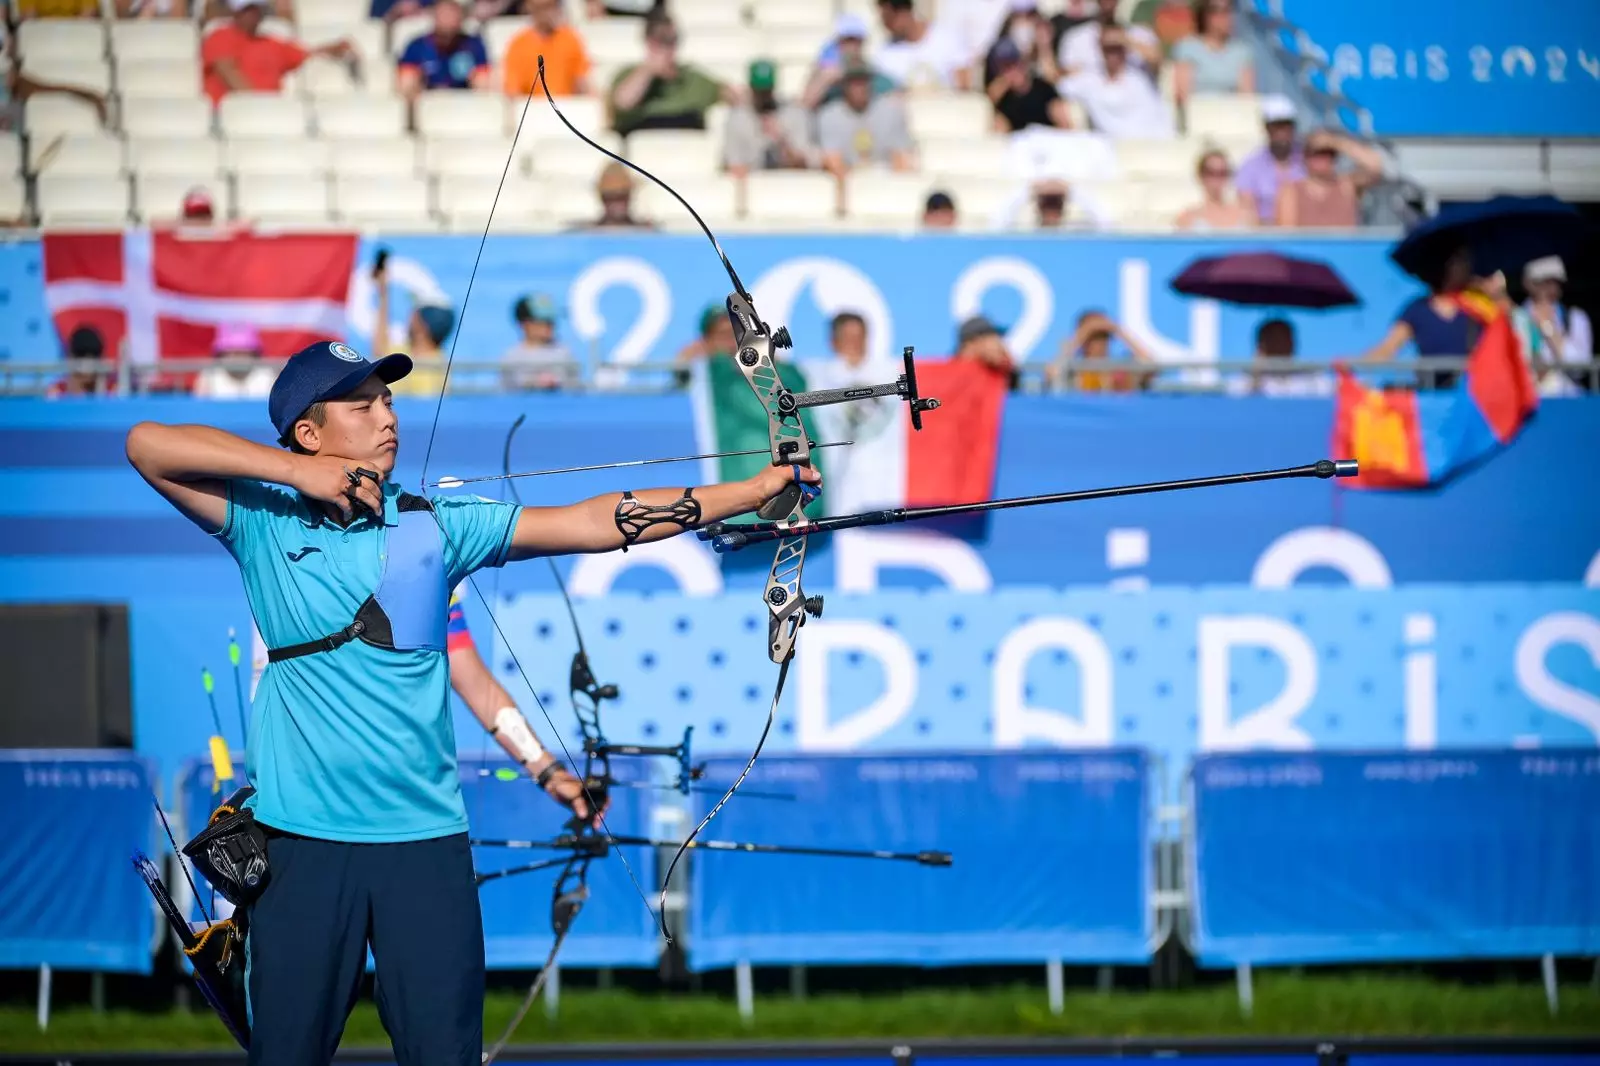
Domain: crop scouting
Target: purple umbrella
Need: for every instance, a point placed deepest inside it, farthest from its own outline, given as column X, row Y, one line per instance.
column 1265, row 279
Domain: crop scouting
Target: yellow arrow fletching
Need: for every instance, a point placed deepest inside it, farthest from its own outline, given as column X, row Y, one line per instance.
column 221, row 761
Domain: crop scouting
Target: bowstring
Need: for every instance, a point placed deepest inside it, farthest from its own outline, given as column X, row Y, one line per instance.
column 444, row 385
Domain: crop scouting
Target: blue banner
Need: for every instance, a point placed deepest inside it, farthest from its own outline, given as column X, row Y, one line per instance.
column 1051, row 861
column 638, row 299
column 1462, row 68
column 1359, row 857
column 69, row 895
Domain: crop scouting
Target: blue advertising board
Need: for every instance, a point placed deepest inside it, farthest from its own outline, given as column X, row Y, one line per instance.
column 1462, row 68
column 638, row 299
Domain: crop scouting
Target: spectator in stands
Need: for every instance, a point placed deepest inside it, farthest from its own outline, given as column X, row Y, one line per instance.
column 198, row 208
column 1435, row 325
column 1091, row 341
column 1120, row 99
column 430, row 325
column 1020, row 97
column 847, row 48
column 863, row 129
column 921, row 54
column 1221, row 207
column 394, row 10
column 84, row 345
column 1081, row 51
column 1213, row 60
column 238, row 57
column 152, row 9
column 237, row 342
column 939, row 212
column 1275, row 164
column 615, row 191
column 716, row 337
column 538, row 361
column 766, row 133
column 566, row 60
column 221, row 10
column 981, row 340
column 1171, row 20
column 1030, row 33
column 661, row 93
column 1565, row 329
column 1325, row 198
column 447, row 58
column 1275, row 344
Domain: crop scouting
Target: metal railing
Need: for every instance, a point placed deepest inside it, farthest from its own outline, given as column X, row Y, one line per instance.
column 1279, row 377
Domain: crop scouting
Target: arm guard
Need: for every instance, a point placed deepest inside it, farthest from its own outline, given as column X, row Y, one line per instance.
column 634, row 517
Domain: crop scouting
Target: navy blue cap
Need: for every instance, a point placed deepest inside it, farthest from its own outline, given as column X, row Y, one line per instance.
column 325, row 371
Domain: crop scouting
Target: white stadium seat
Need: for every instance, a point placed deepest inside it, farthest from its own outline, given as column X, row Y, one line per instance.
column 458, row 113
column 47, row 115
column 977, row 198
column 886, row 198
column 282, row 199
column 10, row 155
column 406, row 29
column 570, row 202
column 153, row 39
column 181, row 156
column 364, row 199
column 1225, row 117
column 466, row 202
column 63, row 38
column 787, row 46
column 360, row 116
column 159, row 197
column 569, row 160
column 374, row 157
column 85, row 155
column 82, row 200
column 271, row 157
column 154, row 116
column 498, row 33
column 696, row 15
column 13, row 199
column 615, row 41
column 675, row 152
column 369, row 37
column 331, row 12
column 790, row 198
column 809, row 23
column 320, row 76
column 949, row 115
column 1158, row 159
column 262, row 115
column 80, row 72
column 177, row 77
column 467, row 157
column 963, row 156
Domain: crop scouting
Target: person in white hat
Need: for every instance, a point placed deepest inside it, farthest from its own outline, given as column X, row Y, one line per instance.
column 1276, row 163
column 1566, row 330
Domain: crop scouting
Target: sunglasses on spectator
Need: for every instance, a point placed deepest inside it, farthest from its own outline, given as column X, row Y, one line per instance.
column 1322, row 150
column 666, row 40
column 1113, row 49
column 1217, row 172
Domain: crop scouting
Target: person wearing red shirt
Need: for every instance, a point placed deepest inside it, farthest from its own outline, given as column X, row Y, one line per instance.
column 237, row 57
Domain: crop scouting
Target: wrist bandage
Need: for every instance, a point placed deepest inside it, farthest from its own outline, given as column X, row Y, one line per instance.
column 509, row 723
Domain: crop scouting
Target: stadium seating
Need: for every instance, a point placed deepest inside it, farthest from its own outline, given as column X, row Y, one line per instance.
column 161, row 127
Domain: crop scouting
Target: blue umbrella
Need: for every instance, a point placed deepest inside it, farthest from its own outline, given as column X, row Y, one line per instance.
column 1502, row 234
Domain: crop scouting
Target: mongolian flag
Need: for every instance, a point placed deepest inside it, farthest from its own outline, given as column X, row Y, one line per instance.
column 1405, row 440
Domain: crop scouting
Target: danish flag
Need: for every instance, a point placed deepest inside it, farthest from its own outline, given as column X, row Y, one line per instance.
column 162, row 294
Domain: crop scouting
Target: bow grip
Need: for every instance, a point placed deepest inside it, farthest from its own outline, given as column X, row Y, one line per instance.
column 783, row 504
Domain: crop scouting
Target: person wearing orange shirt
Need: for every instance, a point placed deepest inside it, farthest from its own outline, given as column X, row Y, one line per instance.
column 238, row 57
column 566, row 61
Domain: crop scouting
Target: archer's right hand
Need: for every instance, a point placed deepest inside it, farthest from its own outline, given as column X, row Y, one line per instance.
column 327, row 478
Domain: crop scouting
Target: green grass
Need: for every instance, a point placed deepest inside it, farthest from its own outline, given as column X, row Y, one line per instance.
column 1285, row 1005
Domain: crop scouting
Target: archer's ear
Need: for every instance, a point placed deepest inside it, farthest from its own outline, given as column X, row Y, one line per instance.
column 308, row 435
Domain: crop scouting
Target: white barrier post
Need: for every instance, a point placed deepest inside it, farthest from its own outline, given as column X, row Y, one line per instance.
column 1547, row 965
column 1247, row 994
column 744, row 989
column 552, row 992
column 44, row 997
column 1054, row 984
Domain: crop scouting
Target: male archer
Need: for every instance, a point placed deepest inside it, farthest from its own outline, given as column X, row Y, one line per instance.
column 351, row 751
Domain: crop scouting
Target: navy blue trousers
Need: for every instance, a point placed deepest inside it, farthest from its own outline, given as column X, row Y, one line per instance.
column 415, row 904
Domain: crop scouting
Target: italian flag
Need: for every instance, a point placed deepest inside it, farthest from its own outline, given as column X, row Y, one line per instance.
column 951, row 460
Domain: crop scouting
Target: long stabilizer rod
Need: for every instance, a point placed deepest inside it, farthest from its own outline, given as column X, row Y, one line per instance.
column 569, row 843
column 731, row 536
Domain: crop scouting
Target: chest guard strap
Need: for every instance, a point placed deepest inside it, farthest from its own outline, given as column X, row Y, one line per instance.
column 407, row 611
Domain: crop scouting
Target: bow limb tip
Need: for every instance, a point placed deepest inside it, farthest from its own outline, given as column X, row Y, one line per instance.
column 935, row 858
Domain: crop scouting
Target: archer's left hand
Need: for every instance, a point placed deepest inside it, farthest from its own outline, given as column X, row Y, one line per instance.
column 568, row 791
column 775, row 479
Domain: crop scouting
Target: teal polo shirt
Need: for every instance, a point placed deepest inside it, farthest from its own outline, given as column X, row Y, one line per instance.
column 354, row 744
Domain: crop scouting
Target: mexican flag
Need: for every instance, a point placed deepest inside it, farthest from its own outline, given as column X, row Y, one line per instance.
column 951, row 460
